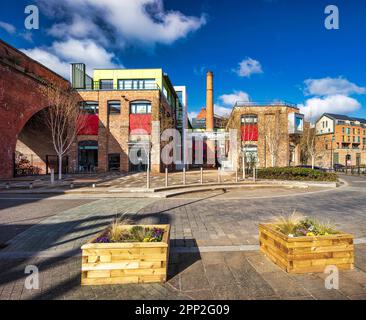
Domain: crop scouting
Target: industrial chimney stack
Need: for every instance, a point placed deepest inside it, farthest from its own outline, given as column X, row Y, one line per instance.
column 209, row 102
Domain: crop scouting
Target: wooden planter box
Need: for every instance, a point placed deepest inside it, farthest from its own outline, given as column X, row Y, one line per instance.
column 306, row 254
column 120, row 263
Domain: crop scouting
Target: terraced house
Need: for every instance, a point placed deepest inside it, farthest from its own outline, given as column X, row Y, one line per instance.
column 341, row 140
column 122, row 105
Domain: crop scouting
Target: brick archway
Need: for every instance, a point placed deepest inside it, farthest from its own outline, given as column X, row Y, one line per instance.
column 21, row 80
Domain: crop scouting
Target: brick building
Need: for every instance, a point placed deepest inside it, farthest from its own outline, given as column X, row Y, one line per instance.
column 199, row 122
column 340, row 140
column 267, row 134
column 21, row 82
column 122, row 105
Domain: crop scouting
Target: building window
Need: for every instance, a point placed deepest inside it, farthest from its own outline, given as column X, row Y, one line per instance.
column 114, row 163
column 106, row 84
column 249, row 119
column 90, row 107
column 141, row 107
column 348, row 131
column 114, row 107
column 137, row 84
column 343, row 130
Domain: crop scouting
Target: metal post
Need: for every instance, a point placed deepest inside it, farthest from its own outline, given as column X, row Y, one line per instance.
column 71, row 185
column 236, row 176
column 254, row 178
column 243, row 160
column 148, row 179
column 31, row 185
column 7, row 186
column 218, row 175
column 166, row 177
column 52, row 176
column 201, row 180
column 184, row 176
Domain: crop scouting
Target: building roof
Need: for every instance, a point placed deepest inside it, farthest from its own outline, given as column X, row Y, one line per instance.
column 202, row 115
column 343, row 117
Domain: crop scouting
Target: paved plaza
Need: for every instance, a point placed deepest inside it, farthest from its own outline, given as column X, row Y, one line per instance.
column 214, row 243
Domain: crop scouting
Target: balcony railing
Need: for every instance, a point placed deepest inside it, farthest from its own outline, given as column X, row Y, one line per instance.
column 97, row 86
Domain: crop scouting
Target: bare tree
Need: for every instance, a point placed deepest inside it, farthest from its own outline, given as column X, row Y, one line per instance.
column 64, row 118
column 310, row 145
column 273, row 135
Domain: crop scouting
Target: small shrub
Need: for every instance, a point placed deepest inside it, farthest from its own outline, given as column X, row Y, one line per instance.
column 292, row 226
column 117, row 233
column 293, row 173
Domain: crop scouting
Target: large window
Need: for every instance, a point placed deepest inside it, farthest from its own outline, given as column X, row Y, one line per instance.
column 90, row 107
column 114, row 107
column 106, row 84
column 137, row 84
column 141, row 107
column 249, row 119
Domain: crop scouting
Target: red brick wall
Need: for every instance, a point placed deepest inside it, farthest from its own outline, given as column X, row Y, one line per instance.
column 21, row 79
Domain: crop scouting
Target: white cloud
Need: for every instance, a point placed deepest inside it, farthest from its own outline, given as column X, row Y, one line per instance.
column 49, row 59
column 332, row 86
column 231, row 99
column 74, row 50
column 222, row 111
column 86, row 27
column 341, row 104
column 9, row 28
column 59, row 56
column 125, row 22
column 248, row 67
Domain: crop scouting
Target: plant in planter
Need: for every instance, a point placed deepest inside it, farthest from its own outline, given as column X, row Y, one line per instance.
column 126, row 254
column 302, row 245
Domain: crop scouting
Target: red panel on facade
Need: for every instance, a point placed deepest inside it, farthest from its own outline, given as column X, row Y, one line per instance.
column 91, row 126
column 249, row 132
column 140, row 122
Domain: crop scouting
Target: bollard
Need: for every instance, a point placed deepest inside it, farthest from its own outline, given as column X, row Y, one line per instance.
column 184, row 176
column 7, row 186
column 218, row 175
column 236, row 176
column 52, row 176
column 254, row 178
column 71, row 185
column 93, row 185
column 201, row 179
column 243, row 168
column 31, row 185
column 166, row 177
column 148, row 179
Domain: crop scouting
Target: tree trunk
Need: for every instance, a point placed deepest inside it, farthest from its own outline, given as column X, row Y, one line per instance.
column 59, row 166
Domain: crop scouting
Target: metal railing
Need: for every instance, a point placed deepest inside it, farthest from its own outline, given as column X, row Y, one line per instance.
column 265, row 104
column 97, row 85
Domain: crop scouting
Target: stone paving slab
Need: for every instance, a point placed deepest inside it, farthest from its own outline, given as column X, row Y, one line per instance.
column 206, row 222
column 234, row 275
column 70, row 229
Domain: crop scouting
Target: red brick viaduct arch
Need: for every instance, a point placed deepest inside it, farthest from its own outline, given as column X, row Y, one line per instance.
column 21, row 80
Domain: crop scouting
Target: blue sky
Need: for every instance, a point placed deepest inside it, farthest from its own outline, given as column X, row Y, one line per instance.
column 262, row 50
